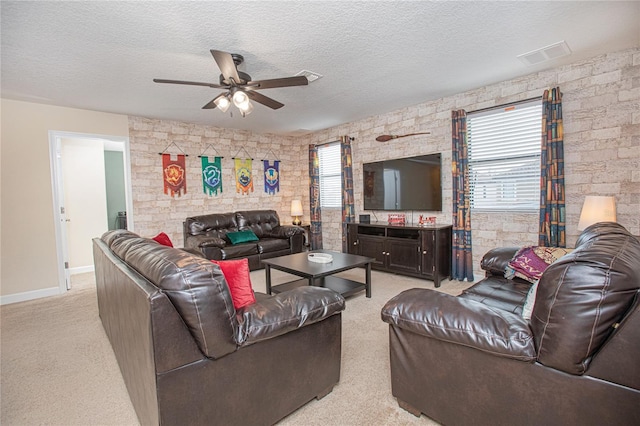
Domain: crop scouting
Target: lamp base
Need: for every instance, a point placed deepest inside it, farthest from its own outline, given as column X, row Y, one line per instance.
column 297, row 221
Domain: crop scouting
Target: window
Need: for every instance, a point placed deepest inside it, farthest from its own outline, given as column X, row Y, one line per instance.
column 330, row 175
column 504, row 157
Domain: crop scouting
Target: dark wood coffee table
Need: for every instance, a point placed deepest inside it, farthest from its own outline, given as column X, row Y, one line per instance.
column 320, row 274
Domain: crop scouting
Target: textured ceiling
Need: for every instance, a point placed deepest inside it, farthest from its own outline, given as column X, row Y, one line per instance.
column 375, row 56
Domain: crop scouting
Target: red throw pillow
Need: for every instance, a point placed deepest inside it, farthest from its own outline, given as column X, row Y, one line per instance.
column 163, row 239
column 236, row 272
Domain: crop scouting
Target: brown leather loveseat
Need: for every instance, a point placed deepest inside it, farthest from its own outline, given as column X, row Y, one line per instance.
column 188, row 357
column 473, row 359
column 211, row 235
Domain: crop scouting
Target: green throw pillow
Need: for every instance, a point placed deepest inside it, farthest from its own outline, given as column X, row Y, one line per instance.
column 242, row 236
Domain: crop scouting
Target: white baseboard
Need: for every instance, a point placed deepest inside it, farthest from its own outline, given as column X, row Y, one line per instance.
column 81, row 269
column 29, row 295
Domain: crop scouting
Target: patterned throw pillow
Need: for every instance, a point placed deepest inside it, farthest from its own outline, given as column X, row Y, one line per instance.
column 530, row 262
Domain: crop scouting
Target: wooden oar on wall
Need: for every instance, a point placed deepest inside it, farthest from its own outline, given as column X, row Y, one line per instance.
column 385, row 138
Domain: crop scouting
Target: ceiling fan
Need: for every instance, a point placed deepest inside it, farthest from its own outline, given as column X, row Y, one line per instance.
column 238, row 86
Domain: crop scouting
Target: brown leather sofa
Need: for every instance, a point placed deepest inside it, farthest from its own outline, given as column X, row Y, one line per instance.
column 208, row 233
column 188, row 357
column 473, row 359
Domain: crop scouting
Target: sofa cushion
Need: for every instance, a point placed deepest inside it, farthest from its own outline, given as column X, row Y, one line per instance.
column 241, row 236
column 239, row 250
column 261, row 222
column 195, row 286
column 236, row 272
column 213, row 225
column 267, row 245
column 499, row 292
column 582, row 296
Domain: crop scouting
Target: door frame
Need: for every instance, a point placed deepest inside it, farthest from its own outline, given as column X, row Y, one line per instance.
column 55, row 138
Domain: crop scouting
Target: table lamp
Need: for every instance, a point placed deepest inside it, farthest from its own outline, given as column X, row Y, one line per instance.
column 296, row 211
column 597, row 209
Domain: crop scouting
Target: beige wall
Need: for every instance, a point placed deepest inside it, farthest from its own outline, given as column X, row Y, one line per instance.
column 601, row 107
column 29, row 260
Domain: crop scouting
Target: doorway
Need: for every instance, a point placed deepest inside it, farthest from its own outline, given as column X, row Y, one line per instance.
column 82, row 168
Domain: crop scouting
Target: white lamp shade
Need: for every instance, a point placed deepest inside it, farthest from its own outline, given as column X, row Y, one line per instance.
column 597, row 209
column 296, row 208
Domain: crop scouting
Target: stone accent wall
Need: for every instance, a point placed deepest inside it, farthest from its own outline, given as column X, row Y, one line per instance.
column 601, row 107
column 153, row 211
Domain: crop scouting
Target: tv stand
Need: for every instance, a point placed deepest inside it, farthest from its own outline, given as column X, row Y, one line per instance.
column 421, row 252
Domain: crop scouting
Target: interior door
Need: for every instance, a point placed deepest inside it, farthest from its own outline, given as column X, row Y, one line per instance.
column 85, row 199
column 77, row 214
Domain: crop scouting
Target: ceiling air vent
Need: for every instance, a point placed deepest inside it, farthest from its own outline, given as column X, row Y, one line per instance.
column 311, row 76
column 553, row 51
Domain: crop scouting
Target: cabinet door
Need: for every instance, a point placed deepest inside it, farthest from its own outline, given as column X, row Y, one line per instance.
column 403, row 256
column 428, row 252
column 372, row 247
column 352, row 238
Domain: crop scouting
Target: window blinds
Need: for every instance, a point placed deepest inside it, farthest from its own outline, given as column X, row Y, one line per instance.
column 330, row 175
column 504, row 157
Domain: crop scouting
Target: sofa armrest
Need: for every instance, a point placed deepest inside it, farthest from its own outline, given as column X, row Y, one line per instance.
column 462, row 322
column 285, row 312
column 285, row 231
column 496, row 260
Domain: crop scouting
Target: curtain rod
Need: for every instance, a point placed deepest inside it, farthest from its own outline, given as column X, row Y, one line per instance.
column 351, row 138
column 505, row 105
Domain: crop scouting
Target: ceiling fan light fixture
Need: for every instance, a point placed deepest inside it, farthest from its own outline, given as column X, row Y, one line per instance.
column 240, row 99
column 246, row 109
column 223, row 103
column 237, row 85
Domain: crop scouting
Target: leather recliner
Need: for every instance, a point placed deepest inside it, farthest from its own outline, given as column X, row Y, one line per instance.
column 473, row 359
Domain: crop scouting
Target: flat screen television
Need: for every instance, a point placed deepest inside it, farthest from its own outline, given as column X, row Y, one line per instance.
column 412, row 183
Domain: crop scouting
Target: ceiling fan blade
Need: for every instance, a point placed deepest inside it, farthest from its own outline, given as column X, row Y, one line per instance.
column 299, row 80
column 264, row 100
column 226, row 65
column 189, row 83
column 212, row 103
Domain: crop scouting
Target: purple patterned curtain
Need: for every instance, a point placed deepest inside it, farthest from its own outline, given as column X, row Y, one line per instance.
column 552, row 198
column 347, row 188
column 315, row 234
column 462, row 259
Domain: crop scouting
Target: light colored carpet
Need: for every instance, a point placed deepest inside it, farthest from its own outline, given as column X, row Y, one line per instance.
column 57, row 366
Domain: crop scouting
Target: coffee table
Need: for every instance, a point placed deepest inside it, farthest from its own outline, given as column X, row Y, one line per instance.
column 320, row 274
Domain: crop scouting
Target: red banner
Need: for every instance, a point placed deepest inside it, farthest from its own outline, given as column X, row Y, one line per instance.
column 174, row 175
